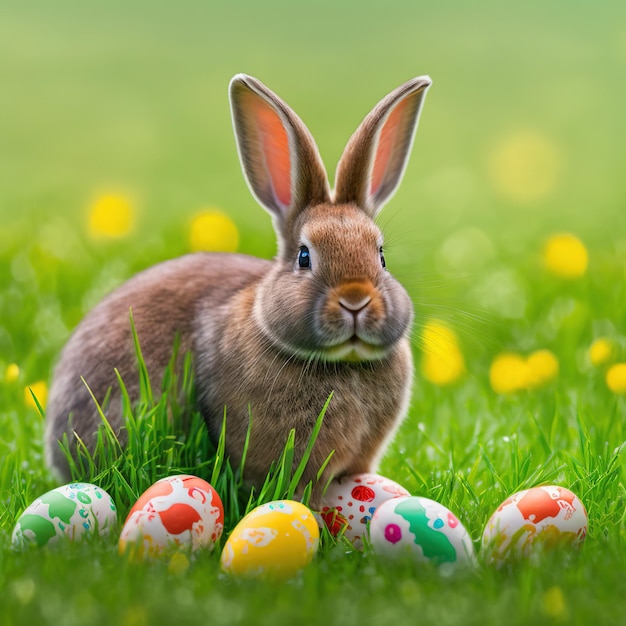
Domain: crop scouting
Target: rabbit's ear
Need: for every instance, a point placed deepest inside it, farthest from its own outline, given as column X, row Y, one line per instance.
column 374, row 160
column 278, row 155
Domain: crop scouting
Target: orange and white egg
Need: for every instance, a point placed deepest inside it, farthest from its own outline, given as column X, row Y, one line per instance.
column 537, row 518
column 276, row 540
column 177, row 512
column 350, row 502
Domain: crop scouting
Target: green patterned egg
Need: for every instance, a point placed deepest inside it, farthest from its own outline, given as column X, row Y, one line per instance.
column 69, row 511
column 422, row 529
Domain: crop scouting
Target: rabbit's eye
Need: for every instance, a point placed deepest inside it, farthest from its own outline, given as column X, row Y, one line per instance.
column 304, row 258
column 382, row 258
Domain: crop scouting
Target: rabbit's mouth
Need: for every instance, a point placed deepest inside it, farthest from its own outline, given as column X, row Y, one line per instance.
column 355, row 349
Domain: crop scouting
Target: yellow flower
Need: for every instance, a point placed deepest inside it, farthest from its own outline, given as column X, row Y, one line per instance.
column 40, row 389
column 213, row 231
column 543, row 368
column 565, row 256
column 111, row 216
column 616, row 378
column 12, row 373
column 443, row 362
column 601, row 351
column 525, row 166
column 509, row 373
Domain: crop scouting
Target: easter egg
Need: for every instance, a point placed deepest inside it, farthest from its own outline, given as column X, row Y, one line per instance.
column 275, row 540
column 421, row 529
column 350, row 502
column 177, row 512
column 69, row 511
column 541, row 517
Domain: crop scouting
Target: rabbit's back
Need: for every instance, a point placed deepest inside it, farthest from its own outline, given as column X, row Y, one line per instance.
column 165, row 301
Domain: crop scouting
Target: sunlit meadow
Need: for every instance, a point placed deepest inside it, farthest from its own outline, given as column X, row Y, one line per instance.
column 508, row 231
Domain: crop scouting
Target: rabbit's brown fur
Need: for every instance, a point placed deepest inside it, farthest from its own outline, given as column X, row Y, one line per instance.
column 273, row 336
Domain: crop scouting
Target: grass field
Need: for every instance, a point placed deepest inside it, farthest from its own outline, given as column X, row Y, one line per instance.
column 116, row 151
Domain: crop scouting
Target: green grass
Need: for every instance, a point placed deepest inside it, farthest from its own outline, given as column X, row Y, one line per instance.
column 132, row 97
column 491, row 449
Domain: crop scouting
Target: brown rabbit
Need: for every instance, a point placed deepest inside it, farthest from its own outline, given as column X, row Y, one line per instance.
column 276, row 336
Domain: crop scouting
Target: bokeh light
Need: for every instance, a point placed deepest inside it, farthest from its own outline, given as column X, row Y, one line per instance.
column 442, row 361
column 111, row 216
column 465, row 251
column 554, row 605
column 179, row 564
column 213, row 231
column 601, row 351
column 566, row 256
column 616, row 378
column 525, row 166
column 12, row 373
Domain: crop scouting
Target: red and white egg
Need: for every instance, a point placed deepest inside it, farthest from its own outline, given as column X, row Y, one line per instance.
column 177, row 512
column 350, row 502
column 537, row 518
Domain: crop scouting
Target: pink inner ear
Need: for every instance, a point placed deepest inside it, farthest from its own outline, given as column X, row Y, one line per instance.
column 387, row 142
column 274, row 144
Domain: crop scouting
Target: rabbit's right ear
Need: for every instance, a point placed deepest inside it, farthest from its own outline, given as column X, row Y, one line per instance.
column 278, row 155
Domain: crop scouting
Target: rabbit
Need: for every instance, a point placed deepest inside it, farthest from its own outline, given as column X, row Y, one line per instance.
column 271, row 339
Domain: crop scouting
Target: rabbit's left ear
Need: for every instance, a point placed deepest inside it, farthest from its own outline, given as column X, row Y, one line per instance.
column 375, row 158
column 278, row 154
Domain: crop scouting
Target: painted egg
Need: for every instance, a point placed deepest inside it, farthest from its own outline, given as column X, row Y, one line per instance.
column 422, row 529
column 350, row 502
column 177, row 512
column 541, row 516
column 69, row 511
column 275, row 540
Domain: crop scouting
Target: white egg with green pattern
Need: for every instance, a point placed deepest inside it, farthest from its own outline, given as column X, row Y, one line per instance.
column 421, row 529
column 70, row 511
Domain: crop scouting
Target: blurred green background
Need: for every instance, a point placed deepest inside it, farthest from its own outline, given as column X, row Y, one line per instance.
column 522, row 135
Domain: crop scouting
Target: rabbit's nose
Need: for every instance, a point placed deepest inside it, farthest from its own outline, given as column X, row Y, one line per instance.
column 355, row 297
column 354, row 306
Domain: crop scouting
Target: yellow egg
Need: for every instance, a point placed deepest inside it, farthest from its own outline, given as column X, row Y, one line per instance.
column 275, row 540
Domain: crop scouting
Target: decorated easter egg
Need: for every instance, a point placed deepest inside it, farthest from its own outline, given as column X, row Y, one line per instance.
column 541, row 517
column 350, row 502
column 422, row 529
column 69, row 511
column 275, row 540
column 177, row 512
